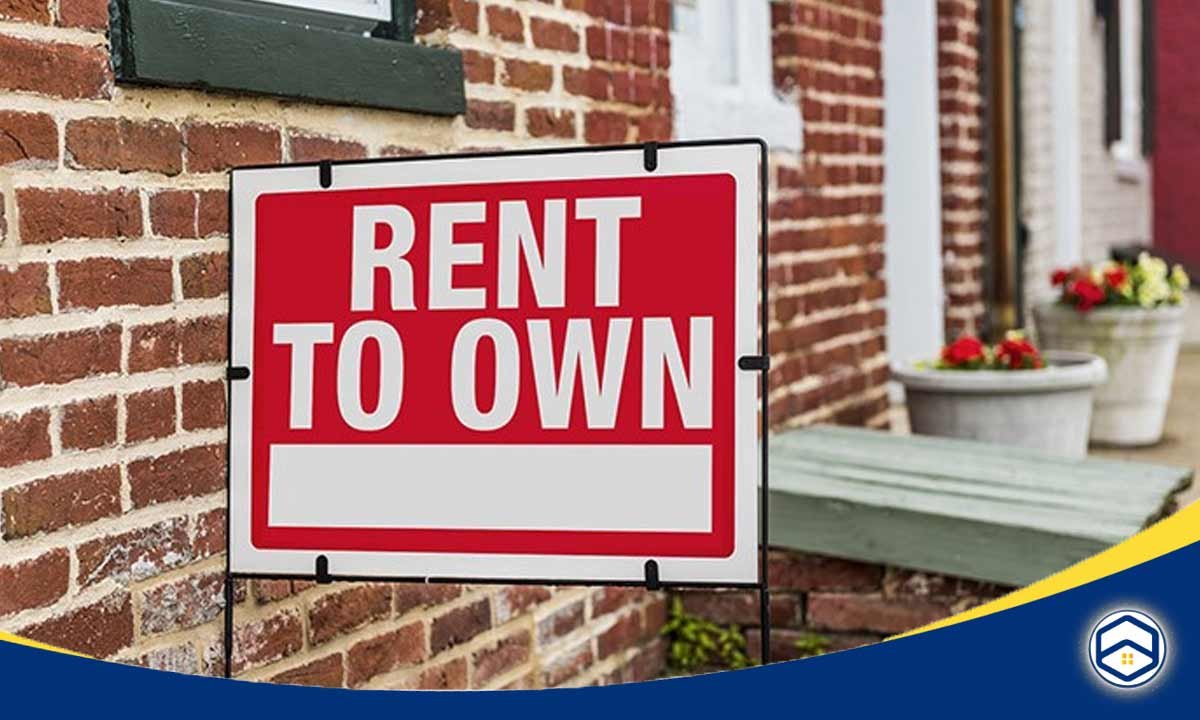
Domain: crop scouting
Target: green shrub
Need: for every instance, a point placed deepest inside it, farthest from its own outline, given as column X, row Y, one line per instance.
column 698, row 643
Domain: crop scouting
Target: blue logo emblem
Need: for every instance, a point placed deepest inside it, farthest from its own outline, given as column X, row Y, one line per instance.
column 1127, row 648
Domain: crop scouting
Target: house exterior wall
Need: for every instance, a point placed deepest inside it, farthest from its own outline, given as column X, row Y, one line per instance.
column 961, row 106
column 836, row 604
column 1177, row 121
column 826, row 292
column 1116, row 203
column 113, row 296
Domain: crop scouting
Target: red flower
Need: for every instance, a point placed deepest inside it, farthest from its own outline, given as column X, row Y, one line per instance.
column 1086, row 294
column 1060, row 276
column 1116, row 276
column 1017, row 353
column 963, row 351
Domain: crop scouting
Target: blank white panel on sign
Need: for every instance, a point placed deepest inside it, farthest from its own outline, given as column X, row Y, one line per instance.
column 545, row 487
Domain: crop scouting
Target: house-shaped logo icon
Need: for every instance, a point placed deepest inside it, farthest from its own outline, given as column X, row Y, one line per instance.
column 1127, row 648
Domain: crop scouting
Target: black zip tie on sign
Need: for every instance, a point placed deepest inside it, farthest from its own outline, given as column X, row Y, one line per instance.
column 325, row 173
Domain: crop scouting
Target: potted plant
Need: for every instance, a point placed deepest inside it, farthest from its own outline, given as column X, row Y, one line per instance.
column 1010, row 394
column 1130, row 314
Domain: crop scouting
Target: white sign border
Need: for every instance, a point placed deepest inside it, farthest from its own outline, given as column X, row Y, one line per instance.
column 739, row 159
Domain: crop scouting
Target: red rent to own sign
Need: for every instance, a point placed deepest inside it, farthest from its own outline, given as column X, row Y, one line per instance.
column 504, row 367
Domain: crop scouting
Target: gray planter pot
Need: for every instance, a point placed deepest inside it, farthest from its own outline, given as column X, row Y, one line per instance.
column 1047, row 410
column 1140, row 347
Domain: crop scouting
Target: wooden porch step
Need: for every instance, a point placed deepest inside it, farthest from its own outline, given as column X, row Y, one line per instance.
column 956, row 507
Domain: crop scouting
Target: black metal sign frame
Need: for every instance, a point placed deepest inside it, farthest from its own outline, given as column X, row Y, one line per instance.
column 751, row 363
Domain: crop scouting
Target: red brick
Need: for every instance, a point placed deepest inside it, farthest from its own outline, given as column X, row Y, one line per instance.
column 153, row 346
column 548, row 122
column 560, row 623
column 33, row 583
column 213, row 214
column 104, row 282
column 597, row 42
column 100, row 629
column 341, row 612
column 61, row 501
column 801, row 571
column 871, row 613
column 724, row 608
column 311, row 148
column 526, row 75
column 90, row 423
column 135, row 555
column 450, row 675
column 504, row 655
column 204, row 340
column 24, row 438
column 149, row 414
column 487, row 115
column 325, row 672
column 24, row 291
column 173, row 214
column 173, row 658
column 269, row 591
column 623, row 634
column 124, row 145
column 33, row 10
column 611, row 599
column 266, row 640
column 505, row 23
column 88, row 14
column 49, row 215
column 553, row 35
column 210, row 533
column 183, row 603
column 203, row 404
column 588, row 82
column 410, row 596
column 215, row 148
column 61, row 357
column 57, row 69
column 568, row 665
column 460, row 625
column 399, row 648
column 478, row 67
column 516, row 599
column 27, row 137
column 204, row 276
column 604, row 127
column 177, row 475
column 444, row 14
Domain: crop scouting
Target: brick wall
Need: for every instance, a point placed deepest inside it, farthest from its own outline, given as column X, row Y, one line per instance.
column 841, row 603
column 113, row 292
column 960, row 101
column 826, row 246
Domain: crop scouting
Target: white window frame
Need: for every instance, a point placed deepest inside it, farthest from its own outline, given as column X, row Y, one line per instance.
column 706, row 107
column 1127, row 151
column 367, row 9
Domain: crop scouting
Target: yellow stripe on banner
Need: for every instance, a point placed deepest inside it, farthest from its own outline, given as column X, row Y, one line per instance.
column 10, row 638
column 1177, row 531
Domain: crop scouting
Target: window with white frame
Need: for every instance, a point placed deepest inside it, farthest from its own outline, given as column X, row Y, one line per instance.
column 722, row 77
column 1124, row 122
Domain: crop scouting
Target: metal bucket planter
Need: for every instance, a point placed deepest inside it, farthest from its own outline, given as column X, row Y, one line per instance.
column 1047, row 410
column 1140, row 347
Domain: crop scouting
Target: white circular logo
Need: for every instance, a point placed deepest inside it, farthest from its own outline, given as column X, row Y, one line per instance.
column 1127, row 648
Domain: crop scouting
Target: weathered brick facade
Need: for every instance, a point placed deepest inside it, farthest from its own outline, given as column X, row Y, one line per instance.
column 829, row 604
column 826, row 246
column 113, row 295
column 961, row 105
column 114, row 289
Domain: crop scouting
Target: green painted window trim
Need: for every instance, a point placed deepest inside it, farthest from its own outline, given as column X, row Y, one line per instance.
column 204, row 44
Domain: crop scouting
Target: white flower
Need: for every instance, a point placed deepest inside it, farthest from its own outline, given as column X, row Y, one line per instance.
column 1179, row 278
column 1153, row 291
column 1152, row 267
